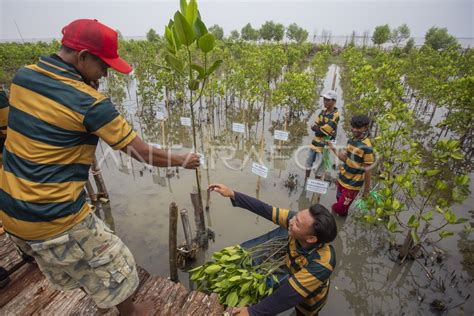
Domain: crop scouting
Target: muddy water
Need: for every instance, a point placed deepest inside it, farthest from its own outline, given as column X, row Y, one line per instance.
column 366, row 280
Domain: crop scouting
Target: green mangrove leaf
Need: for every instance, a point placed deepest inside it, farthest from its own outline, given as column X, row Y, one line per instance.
column 232, row 299
column 213, row 269
column 214, row 66
column 445, row 233
column 206, row 42
column 175, row 63
column 199, row 28
column 200, row 70
column 183, row 29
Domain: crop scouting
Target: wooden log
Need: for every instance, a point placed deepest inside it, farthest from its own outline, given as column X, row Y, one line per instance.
column 25, row 277
column 29, row 293
column 173, row 244
column 160, row 292
column 198, row 303
column 77, row 302
column 37, row 294
column 9, row 256
column 201, row 235
column 66, row 303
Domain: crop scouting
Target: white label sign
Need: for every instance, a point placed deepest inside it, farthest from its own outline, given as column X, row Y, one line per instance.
column 186, row 121
column 156, row 145
column 202, row 159
column 160, row 115
column 281, row 135
column 259, row 170
column 317, row 186
column 238, row 127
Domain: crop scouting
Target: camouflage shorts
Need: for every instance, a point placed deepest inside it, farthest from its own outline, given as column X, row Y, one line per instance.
column 89, row 256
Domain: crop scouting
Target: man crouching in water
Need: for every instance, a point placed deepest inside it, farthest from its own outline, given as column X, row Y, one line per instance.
column 310, row 257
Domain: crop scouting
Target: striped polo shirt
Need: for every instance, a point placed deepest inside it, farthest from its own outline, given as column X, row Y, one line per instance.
column 54, row 124
column 360, row 153
column 3, row 121
column 310, row 269
column 327, row 122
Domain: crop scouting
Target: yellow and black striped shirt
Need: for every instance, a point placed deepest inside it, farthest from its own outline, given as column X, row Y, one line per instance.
column 54, row 124
column 3, row 121
column 327, row 123
column 310, row 269
column 360, row 154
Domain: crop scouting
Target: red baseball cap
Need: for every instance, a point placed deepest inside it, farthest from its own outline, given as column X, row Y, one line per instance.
column 98, row 39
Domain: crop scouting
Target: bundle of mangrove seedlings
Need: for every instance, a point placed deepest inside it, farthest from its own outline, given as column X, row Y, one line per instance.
column 242, row 276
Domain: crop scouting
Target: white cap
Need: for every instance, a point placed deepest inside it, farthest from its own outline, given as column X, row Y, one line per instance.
column 330, row 94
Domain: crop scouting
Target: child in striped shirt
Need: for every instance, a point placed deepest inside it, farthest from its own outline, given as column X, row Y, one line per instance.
column 355, row 172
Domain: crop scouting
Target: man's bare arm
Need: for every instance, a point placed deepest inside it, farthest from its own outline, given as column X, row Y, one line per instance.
column 144, row 152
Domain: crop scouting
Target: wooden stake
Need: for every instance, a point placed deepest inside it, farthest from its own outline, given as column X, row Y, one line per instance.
column 173, row 244
column 186, row 227
column 262, row 145
column 90, row 191
column 334, row 79
column 99, row 180
column 201, row 234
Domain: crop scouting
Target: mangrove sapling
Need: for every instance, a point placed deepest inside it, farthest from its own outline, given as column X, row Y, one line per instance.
column 181, row 33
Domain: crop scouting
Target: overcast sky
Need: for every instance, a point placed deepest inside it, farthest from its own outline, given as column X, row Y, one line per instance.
column 44, row 19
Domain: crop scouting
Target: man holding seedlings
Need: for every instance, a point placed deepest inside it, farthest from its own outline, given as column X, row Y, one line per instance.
column 325, row 125
column 310, row 257
column 56, row 119
column 355, row 172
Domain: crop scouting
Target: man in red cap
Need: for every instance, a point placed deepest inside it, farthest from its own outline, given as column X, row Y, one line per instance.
column 56, row 118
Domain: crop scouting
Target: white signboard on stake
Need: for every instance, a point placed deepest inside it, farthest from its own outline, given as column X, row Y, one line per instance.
column 281, row 135
column 317, row 186
column 186, row 121
column 238, row 127
column 156, row 145
column 259, row 170
column 160, row 115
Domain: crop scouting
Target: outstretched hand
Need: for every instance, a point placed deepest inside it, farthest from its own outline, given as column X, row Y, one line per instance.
column 222, row 189
column 190, row 161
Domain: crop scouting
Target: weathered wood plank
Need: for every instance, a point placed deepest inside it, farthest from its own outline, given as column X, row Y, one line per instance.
column 23, row 278
column 30, row 299
column 29, row 293
column 8, row 255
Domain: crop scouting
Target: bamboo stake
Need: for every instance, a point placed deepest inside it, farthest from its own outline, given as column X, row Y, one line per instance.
column 173, row 244
column 186, row 227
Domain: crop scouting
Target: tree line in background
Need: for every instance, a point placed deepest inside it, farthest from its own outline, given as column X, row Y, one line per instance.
column 437, row 38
